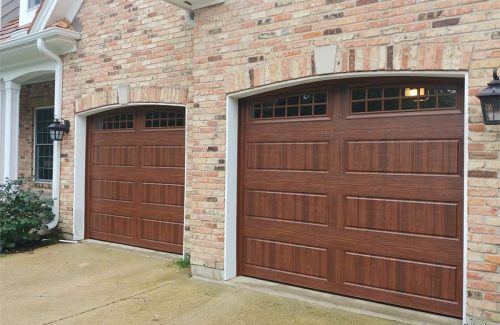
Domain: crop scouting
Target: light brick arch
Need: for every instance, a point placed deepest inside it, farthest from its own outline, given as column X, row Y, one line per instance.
column 412, row 57
column 135, row 95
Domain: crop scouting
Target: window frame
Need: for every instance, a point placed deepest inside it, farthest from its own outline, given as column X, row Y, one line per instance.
column 35, row 144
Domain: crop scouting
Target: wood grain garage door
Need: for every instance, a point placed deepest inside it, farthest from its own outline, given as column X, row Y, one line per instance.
column 135, row 182
column 356, row 189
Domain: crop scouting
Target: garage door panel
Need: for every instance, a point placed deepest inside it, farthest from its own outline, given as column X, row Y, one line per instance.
column 405, row 121
column 162, row 212
column 114, row 155
column 115, row 224
column 427, row 218
column 162, row 136
column 112, row 190
column 161, row 231
column 280, row 256
column 406, row 276
column 165, row 175
column 438, row 156
column 443, row 186
column 135, row 177
column 397, row 245
column 298, row 156
column 161, row 156
column 306, row 208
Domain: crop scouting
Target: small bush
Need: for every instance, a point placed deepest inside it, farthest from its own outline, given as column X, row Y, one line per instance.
column 22, row 214
column 184, row 262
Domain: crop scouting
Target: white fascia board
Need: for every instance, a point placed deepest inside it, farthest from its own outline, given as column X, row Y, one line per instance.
column 194, row 4
column 53, row 32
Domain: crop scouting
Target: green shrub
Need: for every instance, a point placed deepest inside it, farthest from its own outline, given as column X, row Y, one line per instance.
column 184, row 262
column 22, row 214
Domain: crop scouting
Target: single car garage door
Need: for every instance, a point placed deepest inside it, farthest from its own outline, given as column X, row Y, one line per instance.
column 135, row 177
column 356, row 188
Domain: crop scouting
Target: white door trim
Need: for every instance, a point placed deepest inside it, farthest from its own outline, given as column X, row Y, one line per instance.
column 231, row 188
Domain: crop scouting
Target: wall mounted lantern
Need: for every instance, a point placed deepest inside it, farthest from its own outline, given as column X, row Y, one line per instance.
column 58, row 128
column 490, row 101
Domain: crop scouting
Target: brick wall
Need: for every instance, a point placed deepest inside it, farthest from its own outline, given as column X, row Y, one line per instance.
column 149, row 45
column 245, row 44
column 145, row 44
column 31, row 97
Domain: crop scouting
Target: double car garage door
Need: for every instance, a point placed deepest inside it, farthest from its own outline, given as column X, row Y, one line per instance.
column 355, row 189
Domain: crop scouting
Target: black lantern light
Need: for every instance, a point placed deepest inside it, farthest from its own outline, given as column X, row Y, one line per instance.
column 490, row 101
column 58, row 128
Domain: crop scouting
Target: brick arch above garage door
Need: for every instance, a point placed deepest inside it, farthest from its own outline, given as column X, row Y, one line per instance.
column 355, row 188
column 133, row 95
column 135, row 177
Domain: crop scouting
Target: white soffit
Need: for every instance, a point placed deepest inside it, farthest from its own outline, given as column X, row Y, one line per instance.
column 194, row 4
column 53, row 11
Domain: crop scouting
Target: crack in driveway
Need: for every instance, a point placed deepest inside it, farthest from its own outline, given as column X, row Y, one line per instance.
column 134, row 296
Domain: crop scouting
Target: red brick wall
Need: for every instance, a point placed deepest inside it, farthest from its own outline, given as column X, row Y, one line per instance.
column 146, row 45
column 31, row 97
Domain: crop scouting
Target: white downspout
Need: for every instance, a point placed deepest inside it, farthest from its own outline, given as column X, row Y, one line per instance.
column 56, row 162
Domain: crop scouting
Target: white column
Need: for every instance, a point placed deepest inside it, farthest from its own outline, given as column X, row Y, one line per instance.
column 11, row 146
column 2, row 130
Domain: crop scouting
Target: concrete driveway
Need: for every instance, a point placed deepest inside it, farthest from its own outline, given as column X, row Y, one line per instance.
column 92, row 284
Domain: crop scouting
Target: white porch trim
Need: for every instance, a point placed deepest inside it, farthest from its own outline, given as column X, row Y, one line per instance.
column 11, row 130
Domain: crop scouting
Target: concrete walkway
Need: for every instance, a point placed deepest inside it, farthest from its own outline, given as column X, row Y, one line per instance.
column 89, row 284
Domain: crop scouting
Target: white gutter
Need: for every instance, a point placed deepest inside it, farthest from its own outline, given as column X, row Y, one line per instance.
column 56, row 162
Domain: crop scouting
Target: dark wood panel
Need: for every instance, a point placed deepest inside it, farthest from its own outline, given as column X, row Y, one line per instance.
column 166, row 194
column 368, row 204
column 112, row 190
column 288, row 156
column 310, row 261
column 118, row 225
column 404, row 156
column 114, row 156
column 411, row 277
column 135, row 182
column 403, row 216
column 298, row 207
column 162, row 231
column 163, row 156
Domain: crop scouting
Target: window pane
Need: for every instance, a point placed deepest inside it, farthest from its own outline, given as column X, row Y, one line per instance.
column 280, row 101
column 320, row 98
column 358, row 107
column 429, row 103
column 306, row 111
column 391, row 104
column 320, row 110
column 257, row 113
column 408, row 103
column 447, row 101
column 306, row 99
column 267, row 112
column 374, row 106
column 358, row 94
column 293, row 100
column 280, row 112
column 375, row 93
column 391, row 92
column 292, row 111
